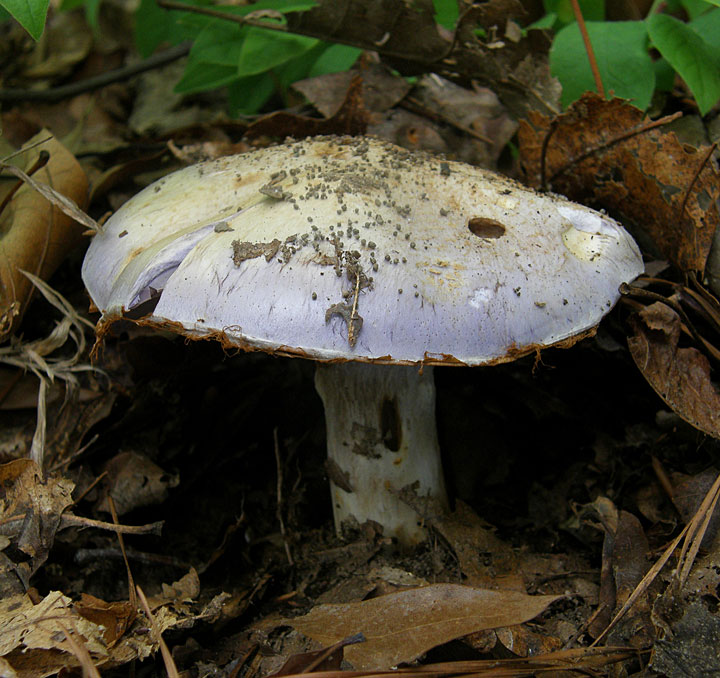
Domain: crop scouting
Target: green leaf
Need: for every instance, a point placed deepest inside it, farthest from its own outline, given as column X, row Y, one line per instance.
column 696, row 62
column 335, row 59
column 247, row 95
column 620, row 48
column 695, row 8
column 446, row 13
column 92, row 12
column 544, row 22
column 30, row 14
column 154, row 26
column 592, row 10
column 263, row 49
column 708, row 28
column 213, row 58
column 664, row 75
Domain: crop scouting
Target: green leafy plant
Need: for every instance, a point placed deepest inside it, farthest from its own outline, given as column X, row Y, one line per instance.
column 30, row 14
column 252, row 63
column 622, row 49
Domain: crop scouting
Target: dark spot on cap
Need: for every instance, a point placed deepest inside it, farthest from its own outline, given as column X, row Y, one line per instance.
column 486, row 228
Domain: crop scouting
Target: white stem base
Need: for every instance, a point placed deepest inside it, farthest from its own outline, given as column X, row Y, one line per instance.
column 381, row 437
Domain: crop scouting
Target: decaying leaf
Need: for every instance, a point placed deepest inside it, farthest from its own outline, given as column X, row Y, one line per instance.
column 624, row 564
column 691, row 649
column 113, row 618
column 592, row 154
column 468, row 536
column 31, row 508
column 35, row 235
column 351, row 118
column 327, row 659
column 399, row 627
column 381, row 89
column 33, row 638
column 680, row 376
column 135, row 481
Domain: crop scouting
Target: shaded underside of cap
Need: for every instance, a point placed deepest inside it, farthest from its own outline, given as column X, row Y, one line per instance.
column 354, row 249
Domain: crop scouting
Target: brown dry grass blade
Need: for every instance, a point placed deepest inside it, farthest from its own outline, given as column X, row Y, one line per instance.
column 579, row 660
column 37, row 234
column 167, row 657
column 691, row 537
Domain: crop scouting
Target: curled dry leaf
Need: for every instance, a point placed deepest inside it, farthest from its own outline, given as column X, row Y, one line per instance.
column 114, row 619
column 351, row 118
column 624, row 564
column 598, row 154
column 34, row 641
column 399, row 627
column 31, row 509
column 134, row 481
column 36, row 235
column 680, row 376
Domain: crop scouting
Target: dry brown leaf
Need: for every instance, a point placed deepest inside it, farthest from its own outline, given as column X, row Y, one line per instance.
column 624, row 564
column 650, row 179
column 37, row 236
column 31, row 508
column 135, row 481
column 680, row 376
column 327, row 659
column 399, row 627
column 35, row 634
column 351, row 118
column 381, row 89
column 113, row 618
column 468, row 536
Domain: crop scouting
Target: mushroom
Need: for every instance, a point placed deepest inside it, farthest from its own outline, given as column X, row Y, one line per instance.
column 378, row 263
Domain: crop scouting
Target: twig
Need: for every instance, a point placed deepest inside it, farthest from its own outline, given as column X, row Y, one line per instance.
column 278, row 512
column 70, row 520
column 588, row 47
column 54, row 94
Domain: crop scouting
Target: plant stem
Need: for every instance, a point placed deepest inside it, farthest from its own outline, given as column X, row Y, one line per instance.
column 588, row 48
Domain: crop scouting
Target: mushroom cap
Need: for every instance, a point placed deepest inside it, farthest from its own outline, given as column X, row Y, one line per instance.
column 354, row 249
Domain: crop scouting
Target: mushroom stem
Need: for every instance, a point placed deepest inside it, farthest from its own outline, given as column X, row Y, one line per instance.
column 381, row 437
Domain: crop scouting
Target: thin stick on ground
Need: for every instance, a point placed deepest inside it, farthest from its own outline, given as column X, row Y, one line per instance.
column 278, row 512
